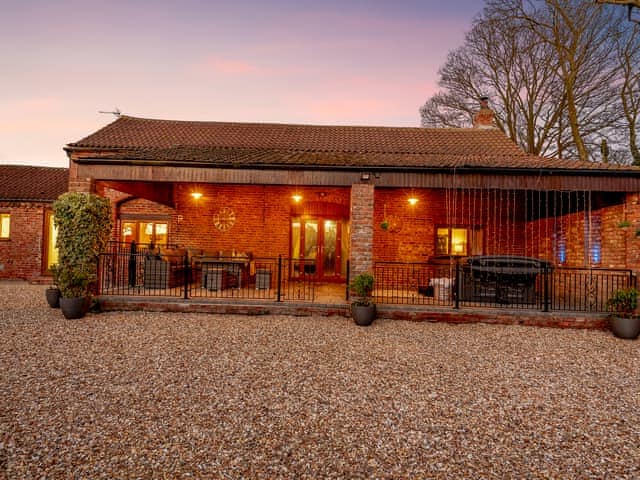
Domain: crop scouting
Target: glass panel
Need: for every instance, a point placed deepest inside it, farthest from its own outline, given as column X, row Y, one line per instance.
column 161, row 233
column 52, row 251
column 295, row 244
column 459, row 241
column 5, row 224
column 442, row 241
column 310, row 244
column 145, row 232
column 128, row 232
column 329, row 253
column 295, row 238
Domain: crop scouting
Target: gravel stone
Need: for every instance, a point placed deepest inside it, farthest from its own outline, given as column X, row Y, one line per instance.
column 165, row 395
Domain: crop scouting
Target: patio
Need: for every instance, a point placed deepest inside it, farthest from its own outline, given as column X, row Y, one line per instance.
column 227, row 396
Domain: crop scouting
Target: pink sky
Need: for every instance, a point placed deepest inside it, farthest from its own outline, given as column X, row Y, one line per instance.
column 345, row 63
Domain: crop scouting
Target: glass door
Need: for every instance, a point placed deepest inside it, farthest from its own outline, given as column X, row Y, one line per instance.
column 320, row 246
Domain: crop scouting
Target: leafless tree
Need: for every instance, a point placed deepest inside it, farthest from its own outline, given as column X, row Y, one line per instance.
column 628, row 57
column 551, row 70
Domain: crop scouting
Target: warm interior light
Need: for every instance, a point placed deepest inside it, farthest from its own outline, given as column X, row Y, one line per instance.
column 196, row 195
column 412, row 201
column 296, row 197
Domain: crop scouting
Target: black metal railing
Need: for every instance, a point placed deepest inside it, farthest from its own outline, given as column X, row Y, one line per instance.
column 491, row 283
column 141, row 273
column 414, row 283
column 522, row 284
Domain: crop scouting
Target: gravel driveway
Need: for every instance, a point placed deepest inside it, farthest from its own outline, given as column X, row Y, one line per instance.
column 153, row 395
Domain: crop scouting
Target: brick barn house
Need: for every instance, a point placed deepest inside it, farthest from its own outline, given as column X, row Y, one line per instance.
column 340, row 200
column 27, row 233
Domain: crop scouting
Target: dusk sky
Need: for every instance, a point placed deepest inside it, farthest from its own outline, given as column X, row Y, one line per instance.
column 330, row 62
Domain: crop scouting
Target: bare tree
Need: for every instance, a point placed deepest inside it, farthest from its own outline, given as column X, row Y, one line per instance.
column 551, row 70
column 628, row 57
column 501, row 61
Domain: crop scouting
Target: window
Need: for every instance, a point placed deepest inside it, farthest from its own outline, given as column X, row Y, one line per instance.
column 459, row 241
column 50, row 250
column 5, row 225
column 145, row 232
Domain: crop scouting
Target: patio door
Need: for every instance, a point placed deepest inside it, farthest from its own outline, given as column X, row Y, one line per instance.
column 320, row 245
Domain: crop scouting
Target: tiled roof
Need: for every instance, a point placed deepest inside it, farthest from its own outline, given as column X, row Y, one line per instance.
column 271, row 144
column 29, row 183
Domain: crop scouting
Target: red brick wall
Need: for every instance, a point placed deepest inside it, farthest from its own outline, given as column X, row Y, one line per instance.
column 500, row 213
column 263, row 215
column 21, row 254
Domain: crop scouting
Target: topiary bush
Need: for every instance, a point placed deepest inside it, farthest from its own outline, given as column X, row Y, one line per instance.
column 84, row 225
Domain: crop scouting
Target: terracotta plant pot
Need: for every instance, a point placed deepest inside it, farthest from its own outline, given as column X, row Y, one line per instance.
column 73, row 308
column 53, row 297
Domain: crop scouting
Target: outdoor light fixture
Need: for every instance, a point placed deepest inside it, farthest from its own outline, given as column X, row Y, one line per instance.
column 412, row 200
column 196, row 195
column 296, row 197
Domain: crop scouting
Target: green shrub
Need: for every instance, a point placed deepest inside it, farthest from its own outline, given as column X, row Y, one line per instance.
column 362, row 287
column 84, row 226
column 623, row 303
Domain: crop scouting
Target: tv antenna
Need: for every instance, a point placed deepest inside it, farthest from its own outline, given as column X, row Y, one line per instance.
column 115, row 112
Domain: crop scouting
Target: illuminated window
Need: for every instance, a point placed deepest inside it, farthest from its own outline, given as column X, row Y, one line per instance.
column 145, row 232
column 459, row 241
column 5, row 225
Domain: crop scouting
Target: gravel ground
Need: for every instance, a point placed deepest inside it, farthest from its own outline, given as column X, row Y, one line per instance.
column 153, row 395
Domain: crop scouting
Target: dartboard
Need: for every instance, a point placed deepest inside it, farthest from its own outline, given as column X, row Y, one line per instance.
column 224, row 219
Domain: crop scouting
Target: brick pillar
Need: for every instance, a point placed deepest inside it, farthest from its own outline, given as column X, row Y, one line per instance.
column 78, row 184
column 361, row 247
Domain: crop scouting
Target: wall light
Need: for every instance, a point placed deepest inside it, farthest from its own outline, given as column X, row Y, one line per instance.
column 296, row 197
column 412, row 201
column 196, row 195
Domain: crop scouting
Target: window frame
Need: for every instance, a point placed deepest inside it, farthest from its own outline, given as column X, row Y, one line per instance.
column 140, row 222
column 2, row 216
column 471, row 248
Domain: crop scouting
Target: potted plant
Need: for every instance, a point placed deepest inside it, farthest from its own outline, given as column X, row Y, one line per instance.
column 624, row 321
column 52, row 293
column 74, row 291
column 84, row 226
column 363, row 310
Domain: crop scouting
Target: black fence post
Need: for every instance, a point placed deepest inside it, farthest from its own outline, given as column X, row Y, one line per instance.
column 279, row 277
column 187, row 274
column 346, row 293
column 457, row 287
column 546, row 289
column 133, row 251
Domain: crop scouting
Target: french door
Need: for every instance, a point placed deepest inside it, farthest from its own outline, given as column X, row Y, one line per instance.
column 321, row 247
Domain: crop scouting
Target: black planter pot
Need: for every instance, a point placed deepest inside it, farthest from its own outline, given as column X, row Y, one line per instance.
column 53, row 297
column 628, row 328
column 363, row 315
column 73, row 308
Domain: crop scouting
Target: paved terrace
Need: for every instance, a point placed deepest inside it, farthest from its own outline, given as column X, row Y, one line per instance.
column 187, row 395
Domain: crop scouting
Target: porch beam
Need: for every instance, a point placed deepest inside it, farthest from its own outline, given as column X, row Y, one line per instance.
column 537, row 180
